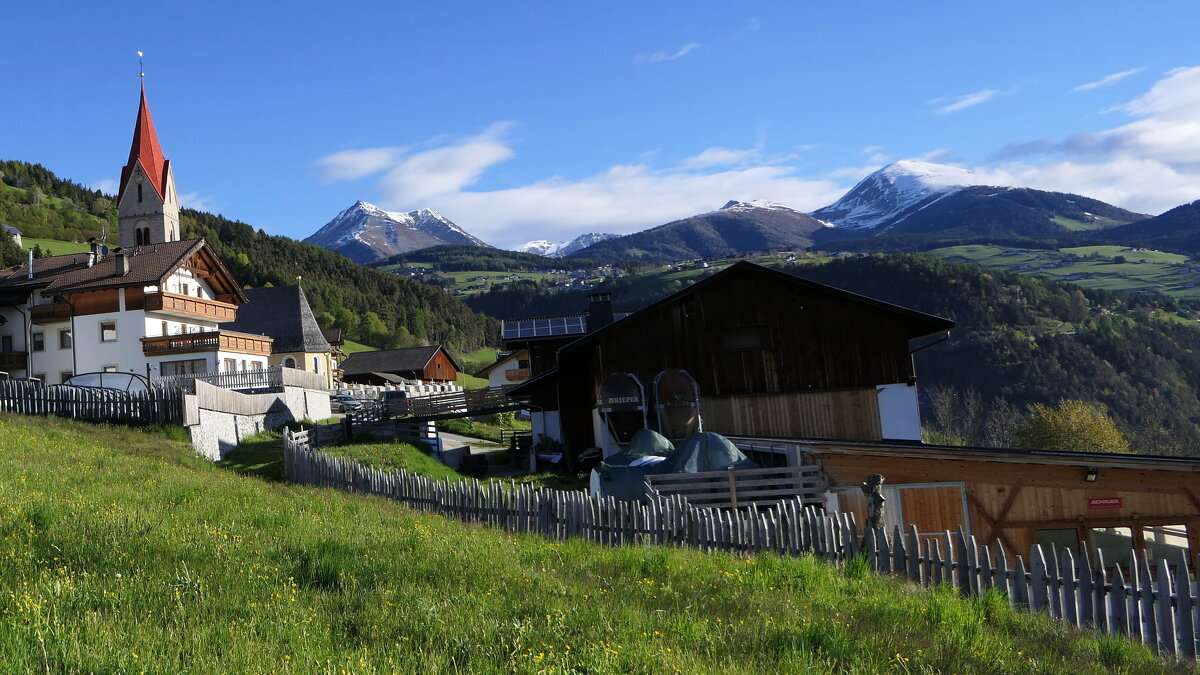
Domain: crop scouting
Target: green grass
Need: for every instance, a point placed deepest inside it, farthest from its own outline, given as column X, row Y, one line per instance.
column 55, row 246
column 390, row 455
column 352, row 347
column 468, row 381
column 260, row 455
column 483, row 428
column 123, row 552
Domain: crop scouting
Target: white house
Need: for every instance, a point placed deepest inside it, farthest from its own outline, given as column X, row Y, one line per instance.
column 152, row 306
column 508, row 369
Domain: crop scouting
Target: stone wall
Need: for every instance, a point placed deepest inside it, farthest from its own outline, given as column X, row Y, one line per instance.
column 219, row 419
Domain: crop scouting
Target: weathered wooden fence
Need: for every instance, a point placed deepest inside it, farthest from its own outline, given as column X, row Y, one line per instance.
column 730, row 489
column 788, row 528
column 462, row 403
column 1155, row 603
column 157, row 406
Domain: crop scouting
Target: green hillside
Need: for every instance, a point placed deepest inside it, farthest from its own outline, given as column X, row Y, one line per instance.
column 371, row 306
column 144, row 558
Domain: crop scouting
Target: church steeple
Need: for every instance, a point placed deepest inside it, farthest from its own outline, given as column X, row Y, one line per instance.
column 147, row 204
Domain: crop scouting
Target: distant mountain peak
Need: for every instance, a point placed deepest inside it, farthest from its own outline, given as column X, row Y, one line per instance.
column 364, row 232
column 893, row 190
column 755, row 204
column 561, row 249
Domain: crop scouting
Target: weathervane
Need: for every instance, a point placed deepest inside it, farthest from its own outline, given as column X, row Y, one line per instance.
column 141, row 73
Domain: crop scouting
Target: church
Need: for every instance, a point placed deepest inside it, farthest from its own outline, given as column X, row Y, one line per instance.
column 152, row 306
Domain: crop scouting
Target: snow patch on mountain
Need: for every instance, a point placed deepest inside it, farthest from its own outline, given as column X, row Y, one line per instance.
column 894, row 190
column 365, row 232
column 560, row 249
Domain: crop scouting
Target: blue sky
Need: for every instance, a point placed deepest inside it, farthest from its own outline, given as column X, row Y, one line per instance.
column 523, row 121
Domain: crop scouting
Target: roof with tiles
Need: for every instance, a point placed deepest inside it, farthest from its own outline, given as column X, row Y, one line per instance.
column 283, row 313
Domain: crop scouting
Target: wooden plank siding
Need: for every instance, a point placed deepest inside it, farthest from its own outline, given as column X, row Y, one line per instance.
column 846, row 413
column 1010, row 500
column 96, row 302
column 440, row 368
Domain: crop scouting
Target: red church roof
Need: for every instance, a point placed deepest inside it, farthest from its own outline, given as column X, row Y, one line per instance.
column 146, row 150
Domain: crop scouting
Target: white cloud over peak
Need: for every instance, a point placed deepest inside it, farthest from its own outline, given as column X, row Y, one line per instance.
column 659, row 57
column 1108, row 80
column 721, row 157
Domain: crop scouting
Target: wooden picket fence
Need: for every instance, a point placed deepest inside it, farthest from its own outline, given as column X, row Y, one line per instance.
column 1155, row 603
column 788, row 528
column 157, row 406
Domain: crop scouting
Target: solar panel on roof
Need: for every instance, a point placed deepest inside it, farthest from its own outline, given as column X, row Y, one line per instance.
column 515, row 329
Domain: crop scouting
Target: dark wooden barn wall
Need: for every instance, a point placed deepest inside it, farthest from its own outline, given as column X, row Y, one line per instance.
column 844, row 414
column 817, row 340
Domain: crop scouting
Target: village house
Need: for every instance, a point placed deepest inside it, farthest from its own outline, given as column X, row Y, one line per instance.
column 283, row 314
column 395, row 366
column 12, row 232
column 509, row 369
column 153, row 306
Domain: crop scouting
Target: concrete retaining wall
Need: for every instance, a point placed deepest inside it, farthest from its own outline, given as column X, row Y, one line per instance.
column 218, row 419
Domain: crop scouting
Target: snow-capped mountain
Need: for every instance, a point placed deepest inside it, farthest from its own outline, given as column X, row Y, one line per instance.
column 892, row 191
column 364, row 232
column 560, row 249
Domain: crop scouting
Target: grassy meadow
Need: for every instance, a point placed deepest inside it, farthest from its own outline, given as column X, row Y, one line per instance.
column 1095, row 267
column 123, row 552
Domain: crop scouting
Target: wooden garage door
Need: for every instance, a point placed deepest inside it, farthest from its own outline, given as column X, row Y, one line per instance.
column 932, row 507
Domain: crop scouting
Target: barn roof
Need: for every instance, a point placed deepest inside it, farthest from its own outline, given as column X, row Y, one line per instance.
column 283, row 313
column 923, row 324
column 393, row 360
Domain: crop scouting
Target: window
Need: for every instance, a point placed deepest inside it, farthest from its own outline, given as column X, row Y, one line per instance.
column 1166, row 542
column 256, row 365
column 316, row 364
column 139, row 193
column 188, row 367
column 40, row 377
column 745, row 338
column 164, row 328
column 289, row 362
column 109, row 369
column 108, row 331
column 230, row 365
column 184, row 289
column 1060, row 538
column 1114, row 542
column 39, row 342
column 6, row 343
column 65, row 375
column 243, row 365
column 64, row 339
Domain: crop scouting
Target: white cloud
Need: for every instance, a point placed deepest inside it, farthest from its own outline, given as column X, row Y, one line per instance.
column 659, row 57
column 194, row 200
column 352, row 164
column 720, row 157
column 623, row 198
column 965, row 101
column 1108, row 80
column 108, row 186
column 1150, row 164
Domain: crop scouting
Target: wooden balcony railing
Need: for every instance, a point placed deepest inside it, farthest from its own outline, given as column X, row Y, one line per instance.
column 184, row 305
column 10, row 361
column 210, row 341
column 59, row 311
column 516, row 374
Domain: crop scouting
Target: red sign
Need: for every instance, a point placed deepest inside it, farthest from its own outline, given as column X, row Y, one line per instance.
column 1105, row 503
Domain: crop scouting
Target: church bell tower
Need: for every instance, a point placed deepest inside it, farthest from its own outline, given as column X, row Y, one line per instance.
column 147, row 204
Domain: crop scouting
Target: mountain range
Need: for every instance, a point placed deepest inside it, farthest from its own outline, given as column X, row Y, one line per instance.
column 562, row 249
column 365, row 233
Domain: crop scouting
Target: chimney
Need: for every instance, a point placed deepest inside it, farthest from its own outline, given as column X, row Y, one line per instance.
column 122, row 260
column 600, row 311
column 95, row 251
column 91, row 258
column 29, row 275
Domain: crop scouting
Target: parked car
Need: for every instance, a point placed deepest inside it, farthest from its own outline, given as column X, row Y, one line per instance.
column 344, row 403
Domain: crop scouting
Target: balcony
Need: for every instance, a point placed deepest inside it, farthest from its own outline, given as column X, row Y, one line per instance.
column 55, row 313
column 516, row 374
column 10, row 361
column 210, row 341
column 190, row 308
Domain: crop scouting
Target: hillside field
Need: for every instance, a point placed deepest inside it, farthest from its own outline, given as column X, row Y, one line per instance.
column 1171, row 274
column 124, row 552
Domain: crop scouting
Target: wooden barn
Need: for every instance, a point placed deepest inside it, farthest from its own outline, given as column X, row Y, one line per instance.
column 773, row 354
column 393, row 366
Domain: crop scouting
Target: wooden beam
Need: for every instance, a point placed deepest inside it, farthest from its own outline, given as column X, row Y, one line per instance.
column 997, row 531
